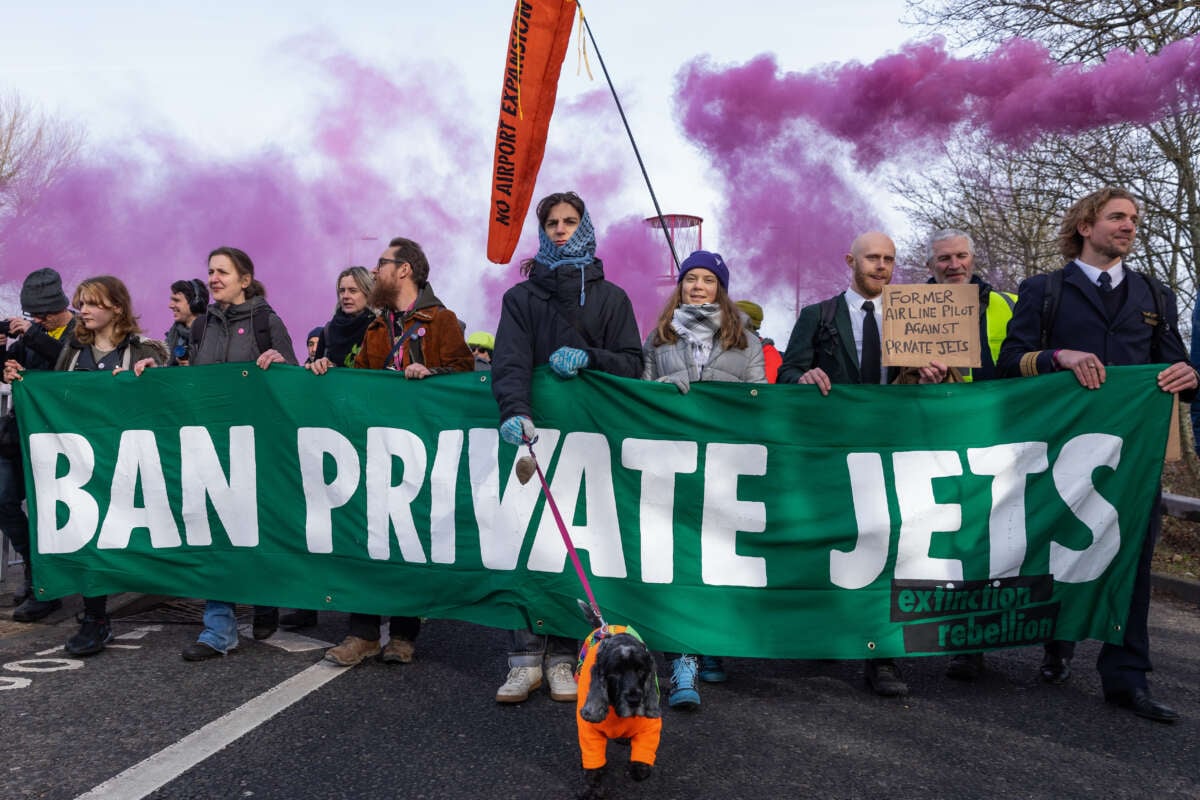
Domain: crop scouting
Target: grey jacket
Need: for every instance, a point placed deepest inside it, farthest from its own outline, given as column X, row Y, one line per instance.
column 674, row 360
column 229, row 335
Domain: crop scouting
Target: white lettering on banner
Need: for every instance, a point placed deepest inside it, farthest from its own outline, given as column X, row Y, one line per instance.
column 501, row 520
column 137, row 457
column 202, row 478
column 583, row 460
column 921, row 516
column 83, row 513
column 725, row 516
column 388, row 504
column 860, row 567
column 1073, row 469
column 1008, row 464
column 659, row 462
column 320, row 498
column 443, row 486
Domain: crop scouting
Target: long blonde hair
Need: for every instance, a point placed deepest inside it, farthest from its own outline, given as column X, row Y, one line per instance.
column 107, row 292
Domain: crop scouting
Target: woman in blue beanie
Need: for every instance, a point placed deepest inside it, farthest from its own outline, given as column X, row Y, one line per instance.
column 701, row 336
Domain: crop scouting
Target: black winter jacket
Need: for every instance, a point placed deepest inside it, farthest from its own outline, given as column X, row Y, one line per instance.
column 541, row 314
column 37, row 349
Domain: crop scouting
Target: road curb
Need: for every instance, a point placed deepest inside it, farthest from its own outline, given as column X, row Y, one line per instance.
column 1183, row 588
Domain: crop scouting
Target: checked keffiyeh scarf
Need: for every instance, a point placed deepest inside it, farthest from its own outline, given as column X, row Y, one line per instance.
column 579, row 250
column 696, row 326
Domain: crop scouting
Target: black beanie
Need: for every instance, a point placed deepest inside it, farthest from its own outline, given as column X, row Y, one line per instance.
column 42, row 292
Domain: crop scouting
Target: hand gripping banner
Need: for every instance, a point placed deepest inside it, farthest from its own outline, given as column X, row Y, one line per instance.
column 740, row 519
column 537, row 44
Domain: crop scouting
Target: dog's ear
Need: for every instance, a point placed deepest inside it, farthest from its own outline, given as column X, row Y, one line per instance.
column 588, row 613
column 595, row 708
column 650, row 705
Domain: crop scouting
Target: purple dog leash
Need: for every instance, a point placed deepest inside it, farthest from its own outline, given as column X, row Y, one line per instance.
column 562, row 529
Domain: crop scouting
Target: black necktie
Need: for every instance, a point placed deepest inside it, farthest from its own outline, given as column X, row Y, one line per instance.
column 871, row 363
column 1109, row 296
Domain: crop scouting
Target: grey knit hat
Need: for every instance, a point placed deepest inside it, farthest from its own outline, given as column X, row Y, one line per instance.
column 42, row 292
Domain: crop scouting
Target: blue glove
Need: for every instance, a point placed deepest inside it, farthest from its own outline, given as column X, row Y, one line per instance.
column 518, row 430
column 567, row 361
column 681, row 383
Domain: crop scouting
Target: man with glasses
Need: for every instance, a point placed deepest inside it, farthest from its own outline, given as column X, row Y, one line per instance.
column 40, row 336
column 416, row 335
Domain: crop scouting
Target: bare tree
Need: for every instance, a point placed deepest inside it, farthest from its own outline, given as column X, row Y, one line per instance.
column 1026, row 190
column 34, row 151
column 1010, row 206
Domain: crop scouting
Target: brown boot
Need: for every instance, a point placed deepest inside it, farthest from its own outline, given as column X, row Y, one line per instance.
column 398, row 651
column 352, row 651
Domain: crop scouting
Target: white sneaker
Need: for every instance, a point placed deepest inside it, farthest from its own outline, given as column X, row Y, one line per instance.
column 520, row 682
column 562, row 683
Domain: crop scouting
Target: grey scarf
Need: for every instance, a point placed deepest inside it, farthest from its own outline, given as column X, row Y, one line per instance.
column 696, row 326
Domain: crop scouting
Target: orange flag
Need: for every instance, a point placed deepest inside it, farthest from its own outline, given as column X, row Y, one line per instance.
column 537, row 44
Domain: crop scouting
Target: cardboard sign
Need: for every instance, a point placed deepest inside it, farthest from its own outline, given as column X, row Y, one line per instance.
column 924, row 322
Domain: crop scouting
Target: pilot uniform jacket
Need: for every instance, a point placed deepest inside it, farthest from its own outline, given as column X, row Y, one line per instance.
column 1081, row 323
column 814, row 343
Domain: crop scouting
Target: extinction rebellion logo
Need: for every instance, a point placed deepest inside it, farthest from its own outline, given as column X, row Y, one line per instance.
column 971, row 615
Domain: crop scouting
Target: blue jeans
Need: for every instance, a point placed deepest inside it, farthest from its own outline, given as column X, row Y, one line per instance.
column 220, row 626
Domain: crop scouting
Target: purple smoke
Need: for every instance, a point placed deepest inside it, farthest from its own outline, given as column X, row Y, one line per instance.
column 775, row 139
column 394, row 158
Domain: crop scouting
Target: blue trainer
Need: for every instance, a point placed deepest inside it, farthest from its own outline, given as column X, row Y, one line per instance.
column 712, row 670
column 683, row 684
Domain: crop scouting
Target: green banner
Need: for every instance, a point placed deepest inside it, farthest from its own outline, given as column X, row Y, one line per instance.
column 738, row 519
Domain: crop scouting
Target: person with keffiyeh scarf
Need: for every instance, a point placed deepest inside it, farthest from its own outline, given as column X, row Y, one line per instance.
column 567, row 315
column 700, row 336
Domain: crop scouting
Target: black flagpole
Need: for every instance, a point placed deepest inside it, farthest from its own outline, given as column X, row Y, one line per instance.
column 658, row 210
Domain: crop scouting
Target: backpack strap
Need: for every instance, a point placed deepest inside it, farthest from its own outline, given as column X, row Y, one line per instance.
column 1050, row 301
column 199, row 324
column 262, row 328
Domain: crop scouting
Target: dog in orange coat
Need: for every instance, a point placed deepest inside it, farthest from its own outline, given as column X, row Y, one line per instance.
column 620, row 701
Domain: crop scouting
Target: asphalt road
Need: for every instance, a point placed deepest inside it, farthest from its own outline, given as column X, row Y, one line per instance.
column 432, row 729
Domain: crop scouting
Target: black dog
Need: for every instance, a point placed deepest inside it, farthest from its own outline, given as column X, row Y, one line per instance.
column 621, row 701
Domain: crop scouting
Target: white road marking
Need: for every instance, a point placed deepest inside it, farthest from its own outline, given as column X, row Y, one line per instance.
column 111, row 646
column 51, row 650
column 289, row 641
column 148, row 776
column 50, row 665
column 140, row 633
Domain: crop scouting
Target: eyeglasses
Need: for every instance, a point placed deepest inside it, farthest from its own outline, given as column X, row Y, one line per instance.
column 397, row 261
column 477, row 349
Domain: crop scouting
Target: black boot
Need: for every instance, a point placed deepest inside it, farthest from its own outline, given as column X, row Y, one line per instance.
column 33, row 609
column 300, row 618
column 94, row 633
column 266, row 621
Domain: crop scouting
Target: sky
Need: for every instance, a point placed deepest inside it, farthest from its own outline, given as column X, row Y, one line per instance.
column 322, row 131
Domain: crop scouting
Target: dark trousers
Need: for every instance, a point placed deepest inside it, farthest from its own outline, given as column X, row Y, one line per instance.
column 366, row 626
column 13, row 521
column 1123, row 667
